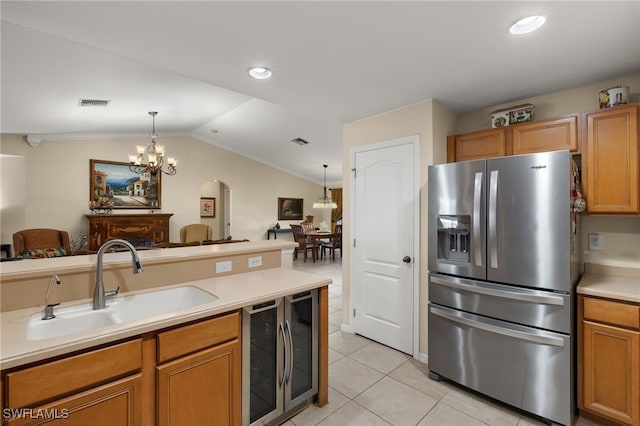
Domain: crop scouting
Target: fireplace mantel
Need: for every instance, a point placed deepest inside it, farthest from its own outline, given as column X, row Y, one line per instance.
column 139, row 229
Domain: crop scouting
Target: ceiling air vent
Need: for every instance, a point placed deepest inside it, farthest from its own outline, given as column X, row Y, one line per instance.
column 93, row 103
column 299, row 141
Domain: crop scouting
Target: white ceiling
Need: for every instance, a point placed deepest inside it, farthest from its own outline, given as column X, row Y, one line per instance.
column 334, row 62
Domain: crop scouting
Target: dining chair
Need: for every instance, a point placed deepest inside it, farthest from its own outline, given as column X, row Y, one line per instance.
column 334, row 244
column 303, row 244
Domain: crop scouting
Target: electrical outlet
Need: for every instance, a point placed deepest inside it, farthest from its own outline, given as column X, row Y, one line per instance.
column 595, row 242
column 255, row 261
column 223, row 266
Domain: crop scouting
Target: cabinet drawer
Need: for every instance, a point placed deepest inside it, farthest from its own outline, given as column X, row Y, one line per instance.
column 612, row 312
column 191, row 338
column 45, row 382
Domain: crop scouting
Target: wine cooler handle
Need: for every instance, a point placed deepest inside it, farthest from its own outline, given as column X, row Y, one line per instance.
column 287, row 327
column 286, row 357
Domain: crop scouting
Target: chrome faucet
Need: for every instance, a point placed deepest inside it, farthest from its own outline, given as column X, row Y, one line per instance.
column 48, row 308
column 99, row 294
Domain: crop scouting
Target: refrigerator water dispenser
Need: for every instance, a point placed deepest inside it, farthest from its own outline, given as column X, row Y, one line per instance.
column 454, row 237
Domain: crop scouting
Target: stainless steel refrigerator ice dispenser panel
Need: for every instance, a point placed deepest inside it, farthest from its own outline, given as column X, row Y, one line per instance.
column 454, row 237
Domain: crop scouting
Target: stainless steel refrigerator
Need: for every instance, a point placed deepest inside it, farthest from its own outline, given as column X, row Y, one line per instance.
column 503, row 265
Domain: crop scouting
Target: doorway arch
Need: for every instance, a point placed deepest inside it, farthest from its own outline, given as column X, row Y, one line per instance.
column 221, row 223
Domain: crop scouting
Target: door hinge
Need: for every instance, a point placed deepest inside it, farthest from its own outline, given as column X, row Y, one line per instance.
column 354, row 242
column 354, row 172
column 354, row 312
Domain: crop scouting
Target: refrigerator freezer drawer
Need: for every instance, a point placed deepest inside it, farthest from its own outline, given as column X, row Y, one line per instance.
column 536, row 308
column 521, row 366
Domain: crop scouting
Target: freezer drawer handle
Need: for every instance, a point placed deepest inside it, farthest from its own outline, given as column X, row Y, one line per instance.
column 476, row 288
column 544, row 340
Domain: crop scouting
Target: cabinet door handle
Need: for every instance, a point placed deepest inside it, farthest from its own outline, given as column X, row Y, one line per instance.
column 284, row 342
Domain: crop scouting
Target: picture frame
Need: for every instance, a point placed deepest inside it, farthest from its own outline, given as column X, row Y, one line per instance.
column 290, row 208
column 207, row 207
column 113, row 185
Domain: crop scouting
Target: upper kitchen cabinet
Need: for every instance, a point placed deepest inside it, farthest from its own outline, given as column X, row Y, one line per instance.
column 612, row 161
column 553, row 134
column 477, row 145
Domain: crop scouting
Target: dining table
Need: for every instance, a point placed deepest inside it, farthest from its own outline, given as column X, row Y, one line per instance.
column 316, row 235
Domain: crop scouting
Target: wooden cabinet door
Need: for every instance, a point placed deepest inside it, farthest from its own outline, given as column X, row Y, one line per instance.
column 612, row 372
column 114, row 404
column 202, row 388
column 612, row 161
column 477, row 145
column 545, row 135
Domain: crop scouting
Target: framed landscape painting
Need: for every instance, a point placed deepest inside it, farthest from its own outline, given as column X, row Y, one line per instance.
column 112, row 183
column 290, row 208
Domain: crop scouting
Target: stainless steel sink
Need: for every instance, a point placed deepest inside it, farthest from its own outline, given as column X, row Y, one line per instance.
column 123, row 309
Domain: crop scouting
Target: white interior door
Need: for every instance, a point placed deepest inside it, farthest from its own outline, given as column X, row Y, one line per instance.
column 385, row 241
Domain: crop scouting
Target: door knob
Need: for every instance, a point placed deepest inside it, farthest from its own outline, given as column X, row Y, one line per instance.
column 406, row 259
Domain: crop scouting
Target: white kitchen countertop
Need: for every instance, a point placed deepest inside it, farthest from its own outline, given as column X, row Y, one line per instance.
column 233, row 291
column 611, row 282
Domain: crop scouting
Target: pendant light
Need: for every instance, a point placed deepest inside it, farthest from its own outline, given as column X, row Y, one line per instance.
column 324, row 201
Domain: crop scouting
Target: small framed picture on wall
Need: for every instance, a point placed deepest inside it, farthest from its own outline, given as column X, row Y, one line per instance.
column 207, row 207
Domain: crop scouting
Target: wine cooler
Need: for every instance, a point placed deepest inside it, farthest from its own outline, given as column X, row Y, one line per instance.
column 279, row 357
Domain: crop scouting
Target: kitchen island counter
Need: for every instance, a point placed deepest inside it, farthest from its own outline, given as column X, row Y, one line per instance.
column 233, row 292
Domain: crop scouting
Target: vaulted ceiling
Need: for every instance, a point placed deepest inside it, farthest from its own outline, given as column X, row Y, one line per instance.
column 333, row 62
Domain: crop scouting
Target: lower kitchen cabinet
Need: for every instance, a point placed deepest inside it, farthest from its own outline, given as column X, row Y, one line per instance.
column 74, row 389
column 198, row 380
column 201, row 389
column 610, row 373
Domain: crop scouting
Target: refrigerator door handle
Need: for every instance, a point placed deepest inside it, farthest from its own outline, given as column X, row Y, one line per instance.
column 493, row 219
column 475, row 287
column 477, row 198
column 522, row 335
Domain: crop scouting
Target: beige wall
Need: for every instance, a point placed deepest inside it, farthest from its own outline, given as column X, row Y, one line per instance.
column 56, row 188
column 432, row 123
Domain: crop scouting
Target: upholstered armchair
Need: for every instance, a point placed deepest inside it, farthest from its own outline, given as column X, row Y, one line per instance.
column 41, row 242
column 195, row 232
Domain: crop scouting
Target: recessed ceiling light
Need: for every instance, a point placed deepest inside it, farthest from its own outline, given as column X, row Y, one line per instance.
column 527, row 25
column 259, row 73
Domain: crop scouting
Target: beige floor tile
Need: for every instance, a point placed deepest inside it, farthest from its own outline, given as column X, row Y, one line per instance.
column 530, row 421
column 395, row 402
column 480, row 408
column 353, row 414
column 335, row 318
column 333, row 328
column 351, row 378
column 380, row 357
column 334, row 356
column 346, row 343
column 415, row 374
column 443, row 415
column 314, row 414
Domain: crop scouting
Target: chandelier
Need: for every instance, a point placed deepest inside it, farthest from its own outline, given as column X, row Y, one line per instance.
column 324, row 201
column 151, row 159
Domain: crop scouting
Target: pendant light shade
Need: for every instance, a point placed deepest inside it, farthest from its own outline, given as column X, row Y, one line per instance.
column 324, row 201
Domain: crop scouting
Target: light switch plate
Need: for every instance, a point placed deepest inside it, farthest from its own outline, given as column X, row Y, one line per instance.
column 595, row 242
